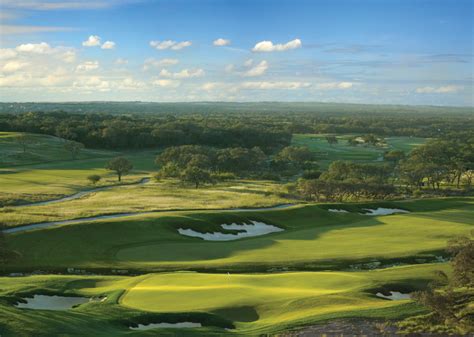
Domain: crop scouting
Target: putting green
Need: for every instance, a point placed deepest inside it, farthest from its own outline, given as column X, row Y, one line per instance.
column 289, row 298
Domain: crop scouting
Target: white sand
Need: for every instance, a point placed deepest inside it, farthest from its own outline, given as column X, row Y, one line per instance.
column 383, row 211
column 179, row 325
column 334, row 210
column 394, row 296
column 255, row 228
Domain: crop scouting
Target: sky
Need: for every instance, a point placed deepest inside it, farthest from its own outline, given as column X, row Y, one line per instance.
column 360, row 51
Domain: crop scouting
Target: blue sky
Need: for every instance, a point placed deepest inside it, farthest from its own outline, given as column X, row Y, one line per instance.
column 363, row 51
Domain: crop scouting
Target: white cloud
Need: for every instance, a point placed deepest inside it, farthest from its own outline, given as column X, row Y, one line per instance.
column 12, row 66
column 23, row 29
column 7, row 53
column 210, row 86
column 154, row 63
column 335, row 85
column 229, row 68
column 257, row 70
column 167, row 83
column 35, row 48
column 185, row 73
column 248, row 63
column 108, row 45
column 46, row 5
column 170, row 44
column 87, row 66
column 68, row 56
column 130, row 83
column 92, row 83
column 268, row 46
column 221, row 42
column 448, row 89
column 92, row 41
column 121, row 61
column 275, row 85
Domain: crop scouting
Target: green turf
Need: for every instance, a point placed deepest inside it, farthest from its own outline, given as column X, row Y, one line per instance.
column 312, row 236
column 342, row 151
column 251, row 303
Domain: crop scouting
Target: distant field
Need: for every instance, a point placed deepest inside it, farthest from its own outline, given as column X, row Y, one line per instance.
column 342, row 151
column 40, row 149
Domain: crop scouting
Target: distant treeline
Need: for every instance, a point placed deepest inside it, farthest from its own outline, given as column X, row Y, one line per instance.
column 135, row 132
column 267, row 130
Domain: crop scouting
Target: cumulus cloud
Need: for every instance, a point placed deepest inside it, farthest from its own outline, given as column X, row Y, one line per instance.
column 335, row 85
column 92, row 83
column 108, row 45
column 130, row 83
column 7, row 53
column 87, row 66
column 275, row 85
column 121, row 61
column 154, row 63
column 210, row 86
column 167, row 83
column 169, row 44
column 257, row 70
column 185, row 73
column 268, row 46
column 92, row 41
column 12, row 66
column 35, row 48
column 229, row 68
column 448, row 89
column 221, row 42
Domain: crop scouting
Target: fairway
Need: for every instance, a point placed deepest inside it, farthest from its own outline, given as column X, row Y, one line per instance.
column 312, row 235
column 327, row 153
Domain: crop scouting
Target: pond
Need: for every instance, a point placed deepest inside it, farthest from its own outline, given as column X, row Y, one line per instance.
column 47, row 302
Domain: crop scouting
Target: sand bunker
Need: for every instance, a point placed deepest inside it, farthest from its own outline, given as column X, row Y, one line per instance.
column 46, row 302
column 255, row 228
column 179, row 325
column 383, row 211
column 394, row 296
column 334, row 210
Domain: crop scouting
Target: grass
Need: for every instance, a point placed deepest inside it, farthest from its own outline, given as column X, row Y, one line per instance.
column 251, row 303
column 40, row 149
column 342, row 151
column 166, row 195
column 313, row 237
column 317, row 246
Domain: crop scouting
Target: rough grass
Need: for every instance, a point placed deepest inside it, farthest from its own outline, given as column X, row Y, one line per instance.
column 166, row 195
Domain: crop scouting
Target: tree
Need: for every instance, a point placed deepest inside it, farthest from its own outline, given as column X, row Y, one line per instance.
column 73, row 148
column 196, row 175
column 331, row 140
column 24, row 139
column 120, row 165
column 94, row 178
column 394, row 156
